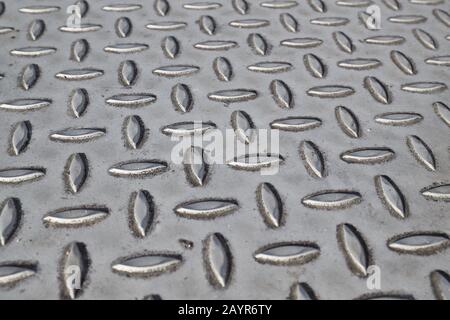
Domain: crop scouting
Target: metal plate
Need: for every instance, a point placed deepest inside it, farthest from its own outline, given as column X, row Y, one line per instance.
column 329, row 65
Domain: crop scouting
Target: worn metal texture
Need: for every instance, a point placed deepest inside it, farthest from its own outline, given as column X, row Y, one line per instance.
column 364, row 181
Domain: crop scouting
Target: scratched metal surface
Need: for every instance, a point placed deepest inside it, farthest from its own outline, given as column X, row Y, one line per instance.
column 384, row 205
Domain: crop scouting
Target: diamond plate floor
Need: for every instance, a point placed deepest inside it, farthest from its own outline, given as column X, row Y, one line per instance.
column 87, row 186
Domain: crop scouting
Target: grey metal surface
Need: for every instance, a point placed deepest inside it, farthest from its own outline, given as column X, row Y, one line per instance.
column 227, row 266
